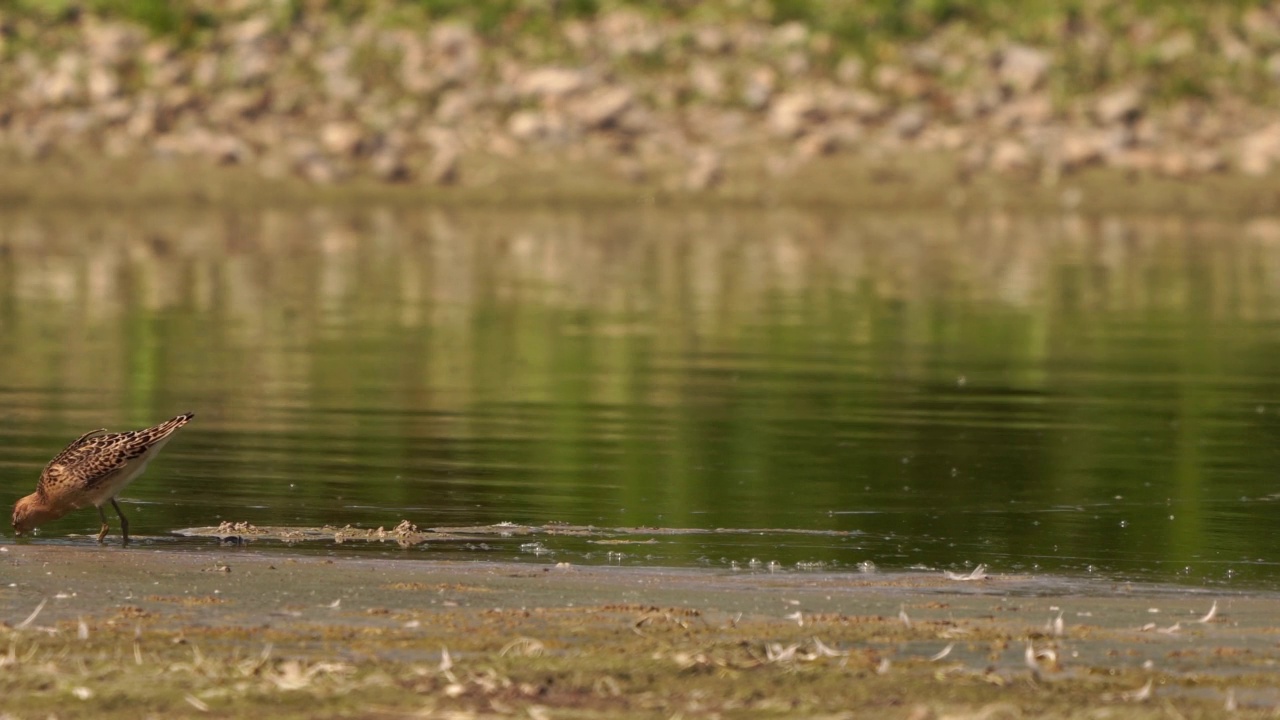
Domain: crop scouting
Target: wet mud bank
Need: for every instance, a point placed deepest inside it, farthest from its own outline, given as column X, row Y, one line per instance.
column 223, row 632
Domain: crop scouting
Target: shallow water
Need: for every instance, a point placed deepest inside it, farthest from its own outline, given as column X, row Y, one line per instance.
column 1043, row 394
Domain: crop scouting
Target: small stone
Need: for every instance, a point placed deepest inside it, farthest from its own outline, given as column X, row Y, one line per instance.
column 632, row 170
column 504, row 146
column 889, row 77
column 454, row 57
column 103, row 83
column 1124, row 105
column 1176, row 47
column 791, row 35
column 629, row 33
column 1078, row 150
column 1175, row 164
column 795, row 63
column 711, row 39
column 706, row 171
column 817, row 144
column 791, row 112
column 453, row 108
column 525, row 125
column 249, row 31
column 707, row 80
column 444, row 168
column 757, row 88
column 320, row 170
column 865, row 105
column 227, row 150
column 388, row 165
column 1023, row 68
column 532, row 126
column 1026, row 112
column 1208, row 161
column 342, row 138
column 551, row 82
column 910, row 121
column 273, row 167
column 1009, row 156
column 850, row 70
column 110, row 43
column 144, row 121
column 603, row 107
column 1260, row 150
column 1273, row 67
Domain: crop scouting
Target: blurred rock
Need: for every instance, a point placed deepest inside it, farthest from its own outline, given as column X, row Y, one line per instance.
column 706, row 171
column 631, row 170
column 1260, row 150
column 603, row 107
column 1009, row 156
column 1208, row 161
column 850, row 70
column 541, row 127
column 1176, row 47
column 627, row 32
column 456, row 52
column 707, row 80
column 1175, row 164
column 226, row 149
column 1080, row 149
column 1123, row 105
column 790, row 113
column 110, row 44
column 817, row 143
column 103, row 83
column 320, row 170
column 551, row 83
column 1031, row 111
column 910, row 121
column 248, row 32
column 1135, row 160
column 757, row 87
column 1022, row 68
column 388, row 165
column 454, row 107
column 342, row 138
column 312, row 94
column 712, row 39
column 445, row 166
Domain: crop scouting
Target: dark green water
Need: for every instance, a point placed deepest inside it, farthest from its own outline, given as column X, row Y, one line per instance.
column 1050, row 394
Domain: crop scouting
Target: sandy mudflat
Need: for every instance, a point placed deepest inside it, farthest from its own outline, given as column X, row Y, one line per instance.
column 233, row 632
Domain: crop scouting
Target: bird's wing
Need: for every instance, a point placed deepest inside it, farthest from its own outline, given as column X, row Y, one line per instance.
column 98, row 455
column 88, row 460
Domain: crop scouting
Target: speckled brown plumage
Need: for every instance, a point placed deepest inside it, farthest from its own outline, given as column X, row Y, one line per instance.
column 92, row 470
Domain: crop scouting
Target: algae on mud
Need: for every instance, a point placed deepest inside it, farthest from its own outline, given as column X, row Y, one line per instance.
column 130, row 633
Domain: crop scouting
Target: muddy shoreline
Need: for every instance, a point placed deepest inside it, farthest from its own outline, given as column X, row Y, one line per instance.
column 903, row 184
column 230, row 631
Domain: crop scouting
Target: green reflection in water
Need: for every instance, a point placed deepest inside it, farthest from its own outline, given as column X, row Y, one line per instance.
column 1036, row 393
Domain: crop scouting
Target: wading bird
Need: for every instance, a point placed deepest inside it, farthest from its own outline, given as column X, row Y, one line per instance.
column 92, row 470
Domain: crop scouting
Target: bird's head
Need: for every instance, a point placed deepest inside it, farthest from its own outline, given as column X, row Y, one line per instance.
column 30, row 512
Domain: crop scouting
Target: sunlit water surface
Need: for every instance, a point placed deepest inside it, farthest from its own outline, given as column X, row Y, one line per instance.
column 1040, row 394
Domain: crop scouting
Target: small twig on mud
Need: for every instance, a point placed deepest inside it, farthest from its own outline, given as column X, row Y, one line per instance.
column 1209, row 616
column 31, row 618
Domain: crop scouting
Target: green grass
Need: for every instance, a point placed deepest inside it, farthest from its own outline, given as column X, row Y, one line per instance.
column 876, row 30
column 853, row 21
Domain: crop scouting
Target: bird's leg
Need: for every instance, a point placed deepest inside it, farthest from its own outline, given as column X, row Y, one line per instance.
column 124, row 522
column 105, row 527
